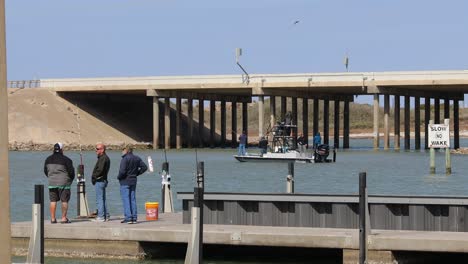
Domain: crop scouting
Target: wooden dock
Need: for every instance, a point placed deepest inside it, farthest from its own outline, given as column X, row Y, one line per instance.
column 85, row 238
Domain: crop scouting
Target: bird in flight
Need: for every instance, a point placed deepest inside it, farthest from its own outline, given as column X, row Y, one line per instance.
column 296, row 22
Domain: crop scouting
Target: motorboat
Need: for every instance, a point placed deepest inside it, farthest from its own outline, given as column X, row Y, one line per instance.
column 280, row 145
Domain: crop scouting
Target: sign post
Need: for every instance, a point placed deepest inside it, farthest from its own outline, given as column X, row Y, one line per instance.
column 439, row 137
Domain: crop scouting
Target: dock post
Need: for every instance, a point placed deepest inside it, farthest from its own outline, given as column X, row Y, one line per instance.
column 166, row 193
column 362, row 218
column 36, row 241
column 82, row 209
column 194, row 253
column 432, row 167
column 5, row 227
column 290, row 178
column 448, row 163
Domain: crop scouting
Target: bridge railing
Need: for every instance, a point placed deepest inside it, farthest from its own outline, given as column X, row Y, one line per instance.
column 24, row 84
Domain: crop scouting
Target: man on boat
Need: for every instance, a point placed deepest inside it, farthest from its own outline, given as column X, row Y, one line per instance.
column 302, row 144
column 242, row 143
column 263, row 145
column 317, row 140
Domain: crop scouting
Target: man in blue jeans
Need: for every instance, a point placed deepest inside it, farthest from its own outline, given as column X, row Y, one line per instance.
column 99, row 180
column 130, row 167
column 242, row 144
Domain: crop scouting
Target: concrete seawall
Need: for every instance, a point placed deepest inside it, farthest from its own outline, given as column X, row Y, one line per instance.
column 167, row 237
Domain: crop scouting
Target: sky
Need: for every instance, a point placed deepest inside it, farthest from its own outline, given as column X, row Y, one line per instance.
column 118, row 38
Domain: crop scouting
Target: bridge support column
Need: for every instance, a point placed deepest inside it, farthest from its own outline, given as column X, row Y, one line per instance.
column 294, row 111
column 427, row 117
column 233, row 124
column 417, row 122
column 436, row 111
column 336, row 125
column 283, row 107
column 167, row 123
column 212, row 123
column 316, row 117
column 326, row 121
column 272, row 111
column 201, row 122
column 260, row 115
column 305, row 119
column 346, row 124
column 407, row 122
column 178, row 122
column 456, row 125
column 386, row 125
column 446, row 108
column 223, row 123
column 155, row 122
column 396, row 139
column 190, row 122
column 245, row 122
column 376, row 121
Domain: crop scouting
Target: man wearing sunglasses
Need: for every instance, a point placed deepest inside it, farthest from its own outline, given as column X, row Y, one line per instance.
column 99, row 180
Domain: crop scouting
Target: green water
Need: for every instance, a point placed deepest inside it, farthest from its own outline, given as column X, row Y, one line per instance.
column 389, row 172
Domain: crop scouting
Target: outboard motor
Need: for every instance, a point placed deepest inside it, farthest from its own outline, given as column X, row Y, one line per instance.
column 321, row 153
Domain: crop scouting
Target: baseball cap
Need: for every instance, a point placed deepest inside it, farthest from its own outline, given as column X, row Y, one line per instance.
column 58, row 146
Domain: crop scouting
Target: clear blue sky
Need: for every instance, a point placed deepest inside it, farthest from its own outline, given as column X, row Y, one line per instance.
column 107, row 38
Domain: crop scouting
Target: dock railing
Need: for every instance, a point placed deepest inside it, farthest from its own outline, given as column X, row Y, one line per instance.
column 422, row 213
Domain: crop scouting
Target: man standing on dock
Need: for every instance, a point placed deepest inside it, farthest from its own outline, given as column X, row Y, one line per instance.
column 99, row 179
column 130, row 167
column 59, row 169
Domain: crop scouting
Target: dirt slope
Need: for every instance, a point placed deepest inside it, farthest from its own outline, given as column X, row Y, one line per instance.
column 39, row 116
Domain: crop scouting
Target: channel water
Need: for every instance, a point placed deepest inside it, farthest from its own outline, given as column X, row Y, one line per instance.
column 389, row 172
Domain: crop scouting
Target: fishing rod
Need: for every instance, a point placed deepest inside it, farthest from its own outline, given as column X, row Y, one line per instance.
column 165, row 156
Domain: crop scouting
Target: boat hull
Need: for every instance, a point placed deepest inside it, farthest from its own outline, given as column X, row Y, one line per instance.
column 251, row 158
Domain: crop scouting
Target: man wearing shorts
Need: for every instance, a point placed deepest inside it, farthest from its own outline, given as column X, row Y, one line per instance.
column 59, row 169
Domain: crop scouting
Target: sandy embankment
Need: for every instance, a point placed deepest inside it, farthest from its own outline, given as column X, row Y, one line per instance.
column 38, row 118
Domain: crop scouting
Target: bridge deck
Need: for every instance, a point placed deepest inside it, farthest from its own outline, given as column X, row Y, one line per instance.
column 112, row 238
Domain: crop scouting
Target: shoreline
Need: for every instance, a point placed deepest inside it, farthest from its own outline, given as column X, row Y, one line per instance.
column 36, row 146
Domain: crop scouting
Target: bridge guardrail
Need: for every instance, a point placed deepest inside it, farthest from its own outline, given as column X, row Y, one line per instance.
column 24, row 84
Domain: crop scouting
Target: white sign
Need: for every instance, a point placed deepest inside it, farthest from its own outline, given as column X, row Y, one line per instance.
column 439, row 136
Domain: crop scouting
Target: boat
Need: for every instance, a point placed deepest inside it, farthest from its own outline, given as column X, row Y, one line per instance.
column 280, row 145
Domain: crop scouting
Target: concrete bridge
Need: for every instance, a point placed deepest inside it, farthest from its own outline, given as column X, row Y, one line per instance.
column 340, row 88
